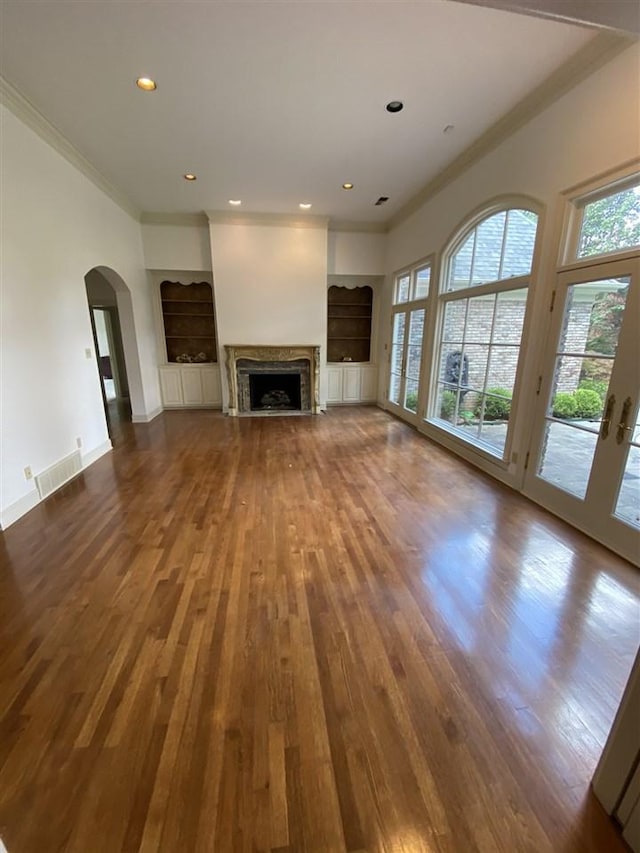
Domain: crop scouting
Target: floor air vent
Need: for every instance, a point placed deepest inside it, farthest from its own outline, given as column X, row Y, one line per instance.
column 58, row 474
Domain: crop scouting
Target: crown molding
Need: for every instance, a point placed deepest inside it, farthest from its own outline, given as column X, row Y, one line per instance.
column 23, row 109
column 269, row 219
column 362, row 227
column 600, row 50
column 188, row 219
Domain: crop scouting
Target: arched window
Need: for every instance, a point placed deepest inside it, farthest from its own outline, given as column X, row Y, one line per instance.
column 483, row 301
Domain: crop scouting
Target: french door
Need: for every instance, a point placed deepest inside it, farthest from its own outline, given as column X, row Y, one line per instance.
column 406, row 357
column 585, row 456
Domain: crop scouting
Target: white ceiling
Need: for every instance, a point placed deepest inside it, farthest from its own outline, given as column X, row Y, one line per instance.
column 275, row 102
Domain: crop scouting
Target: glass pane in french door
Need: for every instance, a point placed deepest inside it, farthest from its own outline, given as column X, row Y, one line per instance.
column 397, row 357
column 414, row 355
column 628, row 503
column 583, row 366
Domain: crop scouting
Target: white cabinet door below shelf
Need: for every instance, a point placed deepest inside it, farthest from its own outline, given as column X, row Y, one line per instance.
column 171, row 386
column 334, row 382
column 211, row 390
column 368, row 384
column 351, row 385
column 192, row 387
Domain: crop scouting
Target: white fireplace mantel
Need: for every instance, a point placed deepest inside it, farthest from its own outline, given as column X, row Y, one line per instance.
column 266, row 352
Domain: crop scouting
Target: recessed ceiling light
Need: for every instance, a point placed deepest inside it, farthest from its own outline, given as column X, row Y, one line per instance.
column 394, row 106
column 347, row 186
column 189, row 177
column 235, row 201
column 305, row 205
column 146, row 84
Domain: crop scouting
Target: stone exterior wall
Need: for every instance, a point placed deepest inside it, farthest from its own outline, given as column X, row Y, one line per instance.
column 503, row 353
column 577, row 322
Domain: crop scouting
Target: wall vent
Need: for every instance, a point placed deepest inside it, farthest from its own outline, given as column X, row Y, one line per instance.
column 49, row 480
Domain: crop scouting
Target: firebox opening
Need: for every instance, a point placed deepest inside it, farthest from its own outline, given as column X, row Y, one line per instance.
column 279, row 391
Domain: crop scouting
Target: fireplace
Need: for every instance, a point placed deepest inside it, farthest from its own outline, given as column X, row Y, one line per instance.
column 273, row 380
column 265, row 386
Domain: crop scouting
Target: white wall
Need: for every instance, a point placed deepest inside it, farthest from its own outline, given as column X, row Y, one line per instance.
column 270, row 285
column 56, row 226
column 356, row 253
column 176, row 247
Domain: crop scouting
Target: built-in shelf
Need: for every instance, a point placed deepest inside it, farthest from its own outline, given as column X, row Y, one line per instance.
column 190, row 334
column 349, row 323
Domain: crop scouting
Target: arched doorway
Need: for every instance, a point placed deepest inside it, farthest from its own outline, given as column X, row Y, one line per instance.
column 111, row 317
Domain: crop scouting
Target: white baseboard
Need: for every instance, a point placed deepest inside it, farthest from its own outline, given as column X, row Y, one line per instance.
column 15, row 511
column 93, row 456
column 146, row 417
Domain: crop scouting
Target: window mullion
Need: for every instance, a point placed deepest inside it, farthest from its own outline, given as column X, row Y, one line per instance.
column 514, row 283
column 504, row 244
column 473, row 257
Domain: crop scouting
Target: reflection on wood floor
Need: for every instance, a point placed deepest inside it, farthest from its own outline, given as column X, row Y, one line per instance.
column 303, row 634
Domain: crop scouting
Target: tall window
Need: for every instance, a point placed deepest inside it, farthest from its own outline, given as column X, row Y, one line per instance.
column 411, row 290
column 482, row 305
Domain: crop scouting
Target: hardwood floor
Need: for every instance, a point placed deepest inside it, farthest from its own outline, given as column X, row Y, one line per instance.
column 303, row 634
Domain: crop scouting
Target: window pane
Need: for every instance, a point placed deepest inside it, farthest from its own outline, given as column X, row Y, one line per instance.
column 394, row 388
column 498, row 248
column 580, row 390
column 447, row 403
column 628, row 504
column 423, row 277
column 397, row 344
column 454, row 319
column 489, row 235
column 414, row 352
column 519, row 243
column 611, row 223
column 567, row 456
column 411, row 395
column 454, row 366
column 479, row 356
column 494, row 433
column 591, row 325
column 476, row 358
column 501, row 375
column 460, row 268
column 509, row 320
column 397, row 352
column 402, row 288
column 480, row 319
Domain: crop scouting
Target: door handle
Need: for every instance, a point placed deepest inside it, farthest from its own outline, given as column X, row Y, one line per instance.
column 624, row 418
column 608, row 414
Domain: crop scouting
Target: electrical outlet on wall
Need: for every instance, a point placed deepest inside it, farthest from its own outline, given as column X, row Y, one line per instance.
column 88, row 352
column 78, row 442
column 28, row 473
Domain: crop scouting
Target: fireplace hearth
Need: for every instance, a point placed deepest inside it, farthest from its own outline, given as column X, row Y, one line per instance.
column 266, row 380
